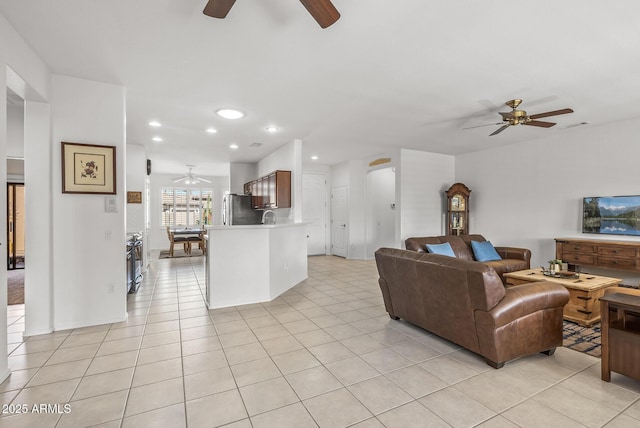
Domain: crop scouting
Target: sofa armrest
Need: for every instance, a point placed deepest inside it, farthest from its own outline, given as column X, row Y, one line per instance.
column 522, row 300
column 514, row 253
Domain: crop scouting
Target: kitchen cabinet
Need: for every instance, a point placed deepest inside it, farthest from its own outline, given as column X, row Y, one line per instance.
column 270, row 191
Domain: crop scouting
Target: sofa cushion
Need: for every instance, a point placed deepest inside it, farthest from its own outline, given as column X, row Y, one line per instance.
column 443, row 249
column 484, row 251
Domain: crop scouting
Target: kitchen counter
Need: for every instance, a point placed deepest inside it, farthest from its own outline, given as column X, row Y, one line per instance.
column 254, row 263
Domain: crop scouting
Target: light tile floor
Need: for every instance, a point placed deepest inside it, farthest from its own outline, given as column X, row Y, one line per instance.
column 323, row 354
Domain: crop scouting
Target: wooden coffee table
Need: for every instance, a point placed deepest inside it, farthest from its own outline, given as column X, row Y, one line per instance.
column 583, row 306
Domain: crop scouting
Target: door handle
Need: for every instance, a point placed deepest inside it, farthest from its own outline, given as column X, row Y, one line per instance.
column 343, row 225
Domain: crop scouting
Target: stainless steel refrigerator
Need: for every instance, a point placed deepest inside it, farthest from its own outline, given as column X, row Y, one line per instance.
column 238, row 209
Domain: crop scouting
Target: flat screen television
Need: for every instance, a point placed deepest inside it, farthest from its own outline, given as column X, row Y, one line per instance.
column 611, row 215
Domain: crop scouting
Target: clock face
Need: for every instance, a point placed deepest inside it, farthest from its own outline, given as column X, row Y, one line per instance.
column 457, row 202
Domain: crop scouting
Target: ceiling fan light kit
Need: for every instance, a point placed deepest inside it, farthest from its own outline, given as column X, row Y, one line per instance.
column 190, row 177
column 323, row 11
column 520, row 117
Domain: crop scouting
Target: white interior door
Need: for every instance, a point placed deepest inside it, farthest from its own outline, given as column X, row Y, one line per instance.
column 339, row 224
column 314, row 212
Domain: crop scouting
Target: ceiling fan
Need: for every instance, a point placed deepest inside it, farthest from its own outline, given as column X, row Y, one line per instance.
column 520, row 117
column 323, row 11
column 190, row 177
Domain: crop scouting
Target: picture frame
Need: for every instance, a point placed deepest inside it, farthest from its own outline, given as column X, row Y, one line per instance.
column 88, row 169
column 134, row 197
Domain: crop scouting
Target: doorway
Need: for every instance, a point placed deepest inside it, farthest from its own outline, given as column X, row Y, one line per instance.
column 314, row 212
column 381, row 210
column 15, row 226
column 339, row 221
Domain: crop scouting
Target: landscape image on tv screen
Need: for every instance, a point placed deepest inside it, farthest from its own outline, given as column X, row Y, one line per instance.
column 613, row 215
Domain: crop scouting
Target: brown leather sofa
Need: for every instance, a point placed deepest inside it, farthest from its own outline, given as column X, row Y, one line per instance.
column 465, row 302
column 513, row 259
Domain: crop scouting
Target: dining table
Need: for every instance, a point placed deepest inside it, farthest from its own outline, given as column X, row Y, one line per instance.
column 189, row 232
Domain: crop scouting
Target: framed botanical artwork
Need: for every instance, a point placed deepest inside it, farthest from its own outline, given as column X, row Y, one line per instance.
column 88, row 169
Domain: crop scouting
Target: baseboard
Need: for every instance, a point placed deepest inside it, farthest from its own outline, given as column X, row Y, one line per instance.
column 37, row 332
column 5, row 374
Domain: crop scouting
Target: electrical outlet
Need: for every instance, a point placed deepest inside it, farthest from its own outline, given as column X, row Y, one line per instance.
column 286, row 267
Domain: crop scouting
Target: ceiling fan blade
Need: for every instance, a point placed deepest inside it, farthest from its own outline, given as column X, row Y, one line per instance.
column 218, row 8
column 551, row 113
column 323, row 11
column 499, row 130
column 481, row 126
column 179, row 179
column 540, row 123
column 203, row 179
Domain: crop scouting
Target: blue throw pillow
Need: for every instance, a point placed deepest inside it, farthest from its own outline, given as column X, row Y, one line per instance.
column 484, row 251
column 444, row 249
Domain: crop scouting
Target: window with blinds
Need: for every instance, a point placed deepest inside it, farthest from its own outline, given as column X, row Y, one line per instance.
column 186, row 207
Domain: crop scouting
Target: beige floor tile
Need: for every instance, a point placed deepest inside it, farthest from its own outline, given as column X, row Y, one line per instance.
column 162, row 326
column 281, row 345
column 295, row 361
column 498, row 422
column 416, row 381
column 416, row 351
column 28, row 361
column 216, row 410
column 60, row 372
column 578, row 407
column 412, row 415
column 362, row 344
column 268, row 395
column 244, row 353
column 270, row 332
column 195, row 322
column 156, row 372
column 112, row 362
column 104, row 383
column 204, row 361
column 208, row 383
column 336, row 409
column 84, row 339
column 262, row 321
column 167, row 417
column 385, row 360
column 314, row 338
column 311, row 382
column 197, row 332
column 159, row 339
column 533, row 414
column 231, row 327
column 255, row 371
column 368, row 423
column 73, row 354
column 154, row 396
column 30, row 420
column 379, row 394
column 237, row 338
column 159, row 353
column 193, row 312
column 94, row 410
column 605, row 393
column 34, row 346
column 330, row 352
column 125, row 333
column 449, row 370
column 118, row 346
column 456, row 408
column 291, row 416
column 17, row 380
column 52, row 393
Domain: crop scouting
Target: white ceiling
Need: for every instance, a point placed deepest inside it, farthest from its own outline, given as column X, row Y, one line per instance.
column 388, row 74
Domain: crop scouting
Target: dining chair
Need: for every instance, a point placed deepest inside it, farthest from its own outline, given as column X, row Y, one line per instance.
column 179, row 240
column 198, row 239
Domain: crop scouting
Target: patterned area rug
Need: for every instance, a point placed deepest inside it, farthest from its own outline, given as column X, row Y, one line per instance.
column 583, row 339
column 164, row 254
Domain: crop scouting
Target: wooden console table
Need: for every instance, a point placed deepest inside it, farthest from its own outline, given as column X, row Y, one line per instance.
column 599, row 253
column 620, row 335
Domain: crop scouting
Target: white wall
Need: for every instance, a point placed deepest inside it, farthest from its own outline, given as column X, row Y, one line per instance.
column 88, row 243
column 136, row 179
column 158, row 239
column 423, row 178
column 240, row 173
column 15, row 130
column 16, row 58
column 528, row 194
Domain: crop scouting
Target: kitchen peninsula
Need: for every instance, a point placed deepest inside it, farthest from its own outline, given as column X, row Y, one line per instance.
column 254, row 263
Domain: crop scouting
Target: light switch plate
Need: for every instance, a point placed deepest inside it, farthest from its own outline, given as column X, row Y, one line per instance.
column 111, row 204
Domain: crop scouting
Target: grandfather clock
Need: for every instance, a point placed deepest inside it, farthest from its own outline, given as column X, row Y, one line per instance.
column 458, row 209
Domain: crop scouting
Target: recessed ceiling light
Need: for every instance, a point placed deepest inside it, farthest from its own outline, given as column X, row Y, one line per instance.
column 229, row 113
column 155, row 123
column 212, row 130
column 272, row 129
column 233, row 146
column 157, row 139
column 314, row 157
